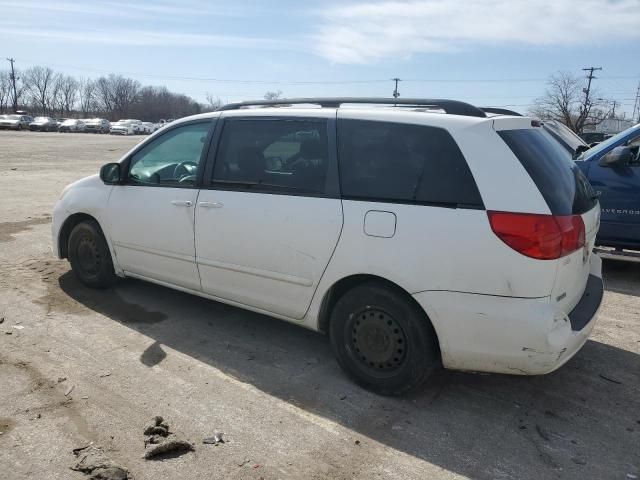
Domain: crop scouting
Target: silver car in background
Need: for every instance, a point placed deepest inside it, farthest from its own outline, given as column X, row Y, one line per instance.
column 97, row 125
column 15, row 122
column 72, row 125
column 44, row 124
column 126, row 127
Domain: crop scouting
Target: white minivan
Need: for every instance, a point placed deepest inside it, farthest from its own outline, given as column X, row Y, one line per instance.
column 416, row 233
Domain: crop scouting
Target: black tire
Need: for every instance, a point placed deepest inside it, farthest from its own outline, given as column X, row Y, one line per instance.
column 382, row 339
column 19, row 127
column 90, row 257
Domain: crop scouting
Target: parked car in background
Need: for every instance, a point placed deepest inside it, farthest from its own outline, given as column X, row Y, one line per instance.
column 593, row 138
column 124, row 127
column 97, row 125
column 413, row 238
column 613, row 169
column 72, row 125
column 563, row 134
column 15, row 122
column 567, row 137
column 44, row 124
column 148, row 127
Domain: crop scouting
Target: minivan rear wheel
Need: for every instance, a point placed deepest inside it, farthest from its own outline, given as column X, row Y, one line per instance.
column 89, row 256
column 382, row 339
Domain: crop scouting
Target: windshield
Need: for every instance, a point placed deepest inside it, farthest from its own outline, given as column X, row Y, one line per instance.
column 565, row 134
column 13, row 117
column 602, row 146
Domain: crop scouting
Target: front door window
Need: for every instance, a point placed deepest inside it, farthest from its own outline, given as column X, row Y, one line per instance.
column 172, row 159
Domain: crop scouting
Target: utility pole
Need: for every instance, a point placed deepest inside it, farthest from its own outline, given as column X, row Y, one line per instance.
column 396, row 93
column 586, row 107
column 587, row 90
column 12, row 76
column 636, row 105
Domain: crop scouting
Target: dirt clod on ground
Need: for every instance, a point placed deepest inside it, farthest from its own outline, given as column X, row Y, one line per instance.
column 170, row 446
column 93, row 461
column 156, row 434
column 110, row 473
column 156, row 430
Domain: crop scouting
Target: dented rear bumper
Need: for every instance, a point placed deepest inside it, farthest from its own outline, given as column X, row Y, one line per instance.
column 527, row 336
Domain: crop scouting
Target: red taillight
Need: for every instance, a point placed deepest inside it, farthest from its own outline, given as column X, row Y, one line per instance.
column 545, row 237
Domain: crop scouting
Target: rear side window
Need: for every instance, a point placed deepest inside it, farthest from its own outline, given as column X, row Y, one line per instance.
column 384, row 161
column 563, row 186
column 273, row 155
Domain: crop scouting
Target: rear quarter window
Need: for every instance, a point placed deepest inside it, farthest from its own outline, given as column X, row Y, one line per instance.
column 562, row 184
column 403, row 163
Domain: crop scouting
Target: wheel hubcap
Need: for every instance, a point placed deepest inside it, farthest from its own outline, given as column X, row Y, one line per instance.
column 378, row 341
column 88, row 255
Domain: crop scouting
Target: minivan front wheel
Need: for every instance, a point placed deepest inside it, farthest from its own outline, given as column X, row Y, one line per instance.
column 382, row 339
column 89, row 256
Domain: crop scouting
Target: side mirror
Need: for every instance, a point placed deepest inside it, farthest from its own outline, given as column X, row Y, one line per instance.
column 618, row 157
column 110, row 173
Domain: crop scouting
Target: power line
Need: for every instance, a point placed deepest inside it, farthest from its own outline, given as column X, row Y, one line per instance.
column 319, row 82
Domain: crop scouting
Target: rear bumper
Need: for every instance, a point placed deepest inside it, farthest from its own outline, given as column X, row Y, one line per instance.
column 527, row 336
column 586, row 309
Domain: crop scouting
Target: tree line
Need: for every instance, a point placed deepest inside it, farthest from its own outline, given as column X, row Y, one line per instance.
column 43, row 91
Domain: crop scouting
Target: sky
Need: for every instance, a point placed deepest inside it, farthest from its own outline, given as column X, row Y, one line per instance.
column 488, row 52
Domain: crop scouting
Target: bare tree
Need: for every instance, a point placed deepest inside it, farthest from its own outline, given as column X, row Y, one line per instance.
column 125, row 93
column 5, row 91
column 154, row 103
column 104, row 96
column 39, row 85
column 64, row 94
column 116, row 95
column 213, row 103
column 273, row 95
column 87, row 93
column 564, row 101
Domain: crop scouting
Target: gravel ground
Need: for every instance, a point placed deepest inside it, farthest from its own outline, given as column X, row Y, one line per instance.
column 80, row 366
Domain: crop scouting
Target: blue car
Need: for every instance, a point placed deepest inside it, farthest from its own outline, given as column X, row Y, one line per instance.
column 613, row 169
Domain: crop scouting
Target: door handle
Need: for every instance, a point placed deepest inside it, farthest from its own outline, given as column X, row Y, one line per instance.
column 181, row 203
column 211, row 204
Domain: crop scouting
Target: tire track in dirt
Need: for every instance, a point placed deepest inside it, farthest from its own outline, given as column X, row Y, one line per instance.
column 65, row 294
column 8, row 230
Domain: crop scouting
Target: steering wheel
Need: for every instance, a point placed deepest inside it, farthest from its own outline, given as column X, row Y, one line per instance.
column 182, row 171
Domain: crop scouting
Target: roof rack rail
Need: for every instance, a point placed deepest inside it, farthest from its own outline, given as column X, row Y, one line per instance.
column 452, row 107
column 500, row 111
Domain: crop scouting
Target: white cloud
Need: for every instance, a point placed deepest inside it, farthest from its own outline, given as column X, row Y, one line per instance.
column 366, row 32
